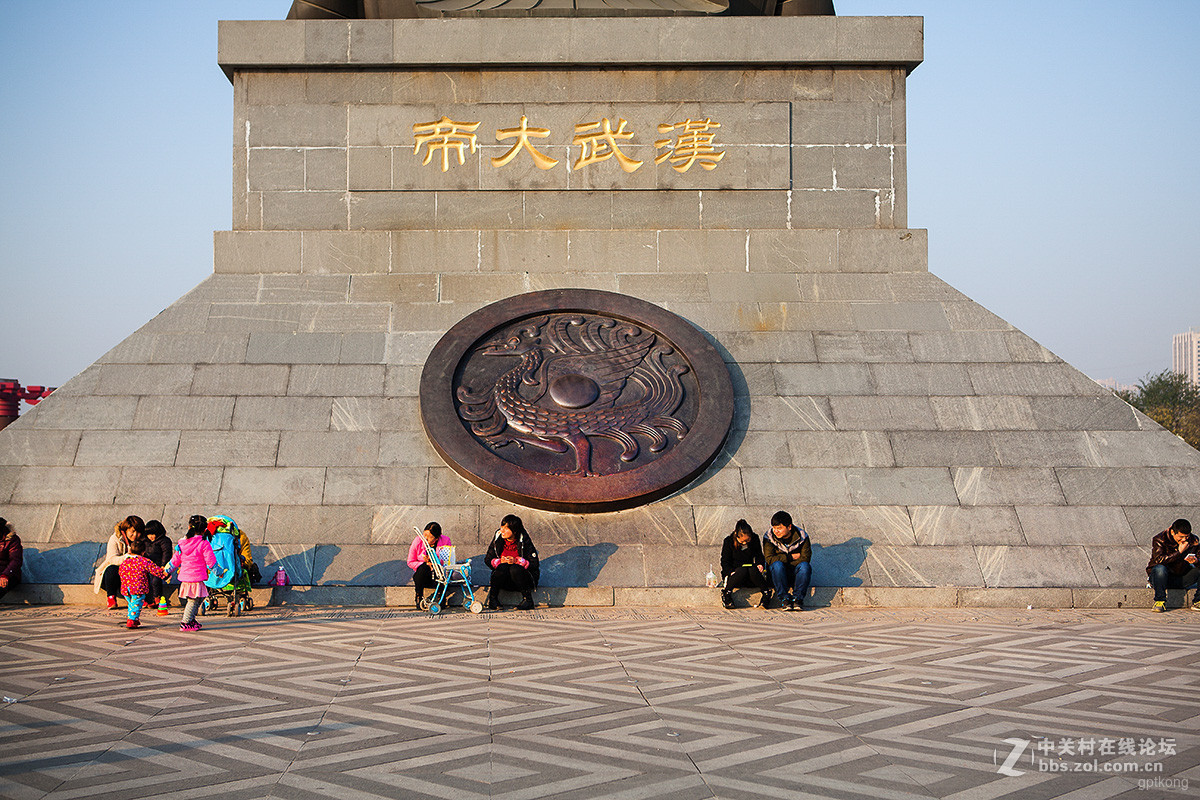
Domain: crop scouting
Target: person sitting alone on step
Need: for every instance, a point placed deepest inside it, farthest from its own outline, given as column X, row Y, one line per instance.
column 1173, row 557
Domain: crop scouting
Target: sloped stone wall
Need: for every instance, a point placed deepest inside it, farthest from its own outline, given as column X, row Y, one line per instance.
column 921, row 440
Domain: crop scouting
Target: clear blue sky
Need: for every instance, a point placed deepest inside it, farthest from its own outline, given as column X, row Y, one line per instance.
column 1052, row 156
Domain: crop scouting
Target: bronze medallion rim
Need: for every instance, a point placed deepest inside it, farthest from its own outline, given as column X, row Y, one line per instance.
column 684, row 461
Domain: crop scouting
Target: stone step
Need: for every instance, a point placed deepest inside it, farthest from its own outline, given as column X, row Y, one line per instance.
column 667, row 597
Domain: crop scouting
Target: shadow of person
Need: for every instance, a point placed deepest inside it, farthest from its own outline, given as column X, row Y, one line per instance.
column 837, row 565
column 576, row 566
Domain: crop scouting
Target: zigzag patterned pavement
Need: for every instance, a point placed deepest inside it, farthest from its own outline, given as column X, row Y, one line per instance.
column 602, row 703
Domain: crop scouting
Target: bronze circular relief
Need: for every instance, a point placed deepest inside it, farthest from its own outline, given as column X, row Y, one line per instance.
column 576, row 400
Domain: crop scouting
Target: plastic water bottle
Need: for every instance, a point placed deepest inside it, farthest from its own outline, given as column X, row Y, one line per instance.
column 281, row 577
column 162, row 606
column 710, row 580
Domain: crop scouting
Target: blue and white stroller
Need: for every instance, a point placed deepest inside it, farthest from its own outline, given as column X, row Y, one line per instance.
column 227, row 579
column 447, row 573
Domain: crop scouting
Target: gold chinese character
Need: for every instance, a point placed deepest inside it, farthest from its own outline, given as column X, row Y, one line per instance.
column 602, row 144
column 523, row 133
column 445, row 134
column 693, row 144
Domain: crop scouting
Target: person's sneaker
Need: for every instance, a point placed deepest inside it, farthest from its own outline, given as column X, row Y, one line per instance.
column 1196, row 606
column 112, row 602
column 132, row 623
column 726, row 598
column 791, row 605
column 799, row 606
column 189, row 626
column 526, row 603
column 765, row 600
column 1160, row 606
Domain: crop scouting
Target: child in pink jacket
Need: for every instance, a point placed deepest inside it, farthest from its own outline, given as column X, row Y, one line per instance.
column 193, row 558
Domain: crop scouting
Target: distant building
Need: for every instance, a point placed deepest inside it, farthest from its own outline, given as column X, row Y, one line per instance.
column 1185, row 355
column 1112, row 385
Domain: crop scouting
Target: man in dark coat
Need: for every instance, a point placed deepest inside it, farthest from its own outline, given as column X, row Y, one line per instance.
column 1174, row 554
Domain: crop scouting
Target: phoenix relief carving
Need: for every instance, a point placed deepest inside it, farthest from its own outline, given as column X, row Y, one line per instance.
column 577, row 378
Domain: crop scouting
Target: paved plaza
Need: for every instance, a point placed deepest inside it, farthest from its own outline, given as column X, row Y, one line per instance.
column 601, row 703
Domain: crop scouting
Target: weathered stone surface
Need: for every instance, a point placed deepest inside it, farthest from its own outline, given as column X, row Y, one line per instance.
column 954, row 525
column 270, row 486
column 282, row 414
column 41, row 485
column 374, row 485
column 127, row 448
column 993, row 486
column 183, row 413
column 923, row 566
column 1005, row 566
column 24, row 446
column 899, row 485
column 1102, row 525
column 198, row 485
column 328, row 449
column 954, row 448
column 32, row 523
column 316, row 523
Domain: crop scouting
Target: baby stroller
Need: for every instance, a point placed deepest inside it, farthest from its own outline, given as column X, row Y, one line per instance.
column 448, row 573
column 227, row 579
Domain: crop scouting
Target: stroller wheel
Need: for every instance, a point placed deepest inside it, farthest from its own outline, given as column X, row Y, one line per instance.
column 435, row 608
column 476, row 607
column 247, row 603
column 425, row 602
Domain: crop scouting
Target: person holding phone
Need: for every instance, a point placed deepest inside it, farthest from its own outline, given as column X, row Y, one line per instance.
column 1174, row 555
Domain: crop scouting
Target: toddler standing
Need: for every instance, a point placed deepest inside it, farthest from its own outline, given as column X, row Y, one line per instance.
column 134, row 584
column 193, row 559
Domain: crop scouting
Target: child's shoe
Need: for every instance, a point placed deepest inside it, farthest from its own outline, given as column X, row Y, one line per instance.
column 189, row 626
column 112, row 602
column 1160, row 606
column 133, row 623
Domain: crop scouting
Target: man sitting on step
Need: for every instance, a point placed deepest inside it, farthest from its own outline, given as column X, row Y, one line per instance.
column 1173, row 557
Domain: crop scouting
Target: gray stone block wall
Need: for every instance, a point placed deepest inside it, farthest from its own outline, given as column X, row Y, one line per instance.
column 923, row 442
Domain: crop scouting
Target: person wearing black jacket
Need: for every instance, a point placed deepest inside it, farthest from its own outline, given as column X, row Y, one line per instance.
column 159, row 550
column 11, row 555
column 742, row 565
column 514, row 563
column 1174, row 555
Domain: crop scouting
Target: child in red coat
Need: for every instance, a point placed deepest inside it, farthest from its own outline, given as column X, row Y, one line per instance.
column 134, row 584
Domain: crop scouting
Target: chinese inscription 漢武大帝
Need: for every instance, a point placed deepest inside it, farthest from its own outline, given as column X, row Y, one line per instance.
column 686, row 143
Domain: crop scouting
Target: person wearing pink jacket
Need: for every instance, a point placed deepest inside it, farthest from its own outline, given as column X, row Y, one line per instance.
column 193, row 558
column 418, row 560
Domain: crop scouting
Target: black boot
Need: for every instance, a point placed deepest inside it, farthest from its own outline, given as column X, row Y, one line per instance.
column 419, row 597
column 526, row 602
column 491, row 603
column 727, row 598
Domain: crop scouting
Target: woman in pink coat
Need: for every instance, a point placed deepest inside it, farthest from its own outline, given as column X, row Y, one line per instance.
column 193, row 559
column 419, row 561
